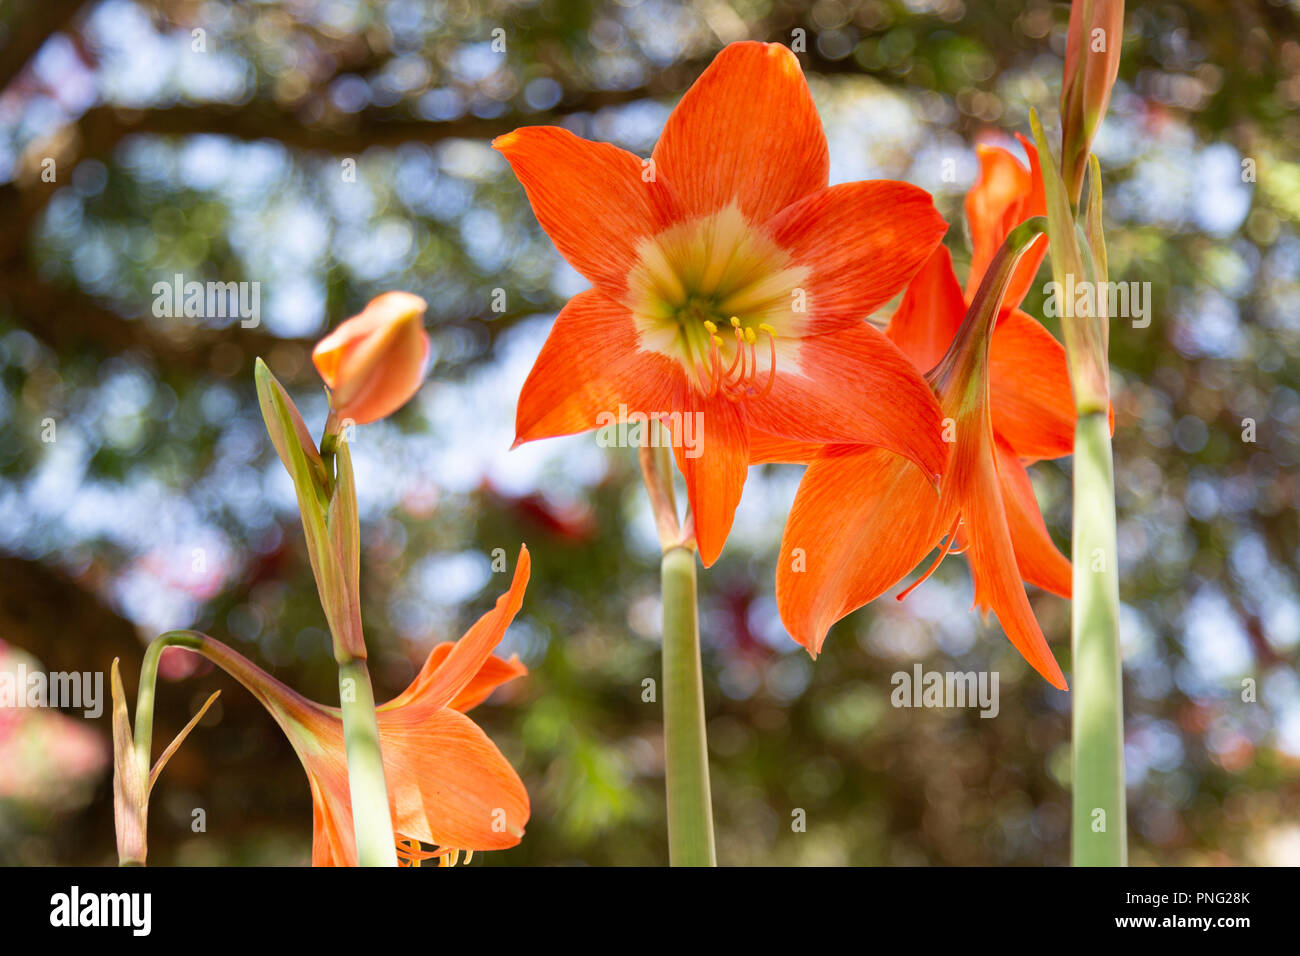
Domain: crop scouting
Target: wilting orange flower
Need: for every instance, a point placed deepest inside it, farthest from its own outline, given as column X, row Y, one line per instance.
column 375, row 361
column 449, row 787
column 729, row 280
column 864, row 517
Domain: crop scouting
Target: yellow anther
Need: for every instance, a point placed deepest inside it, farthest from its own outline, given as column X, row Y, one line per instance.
column 469, row 855
column 735, row 322
column 717, row 340
column 750, row 337
column 712, row 327
column 764, row 327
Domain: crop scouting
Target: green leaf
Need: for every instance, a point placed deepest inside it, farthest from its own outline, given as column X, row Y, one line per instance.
column 345, row 530
column 290, row 436
column 1086, row 337
column 1096, row 237
column 310, row 480
column 1060, row 219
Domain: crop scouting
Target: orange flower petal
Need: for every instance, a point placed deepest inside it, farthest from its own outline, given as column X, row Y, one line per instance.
column 1029, row 388
column 591, row 364
column 994, row 199
column 927, row 318
column 1004, row 196
column 716, row 475
column 861, row 520
column 438, row 685
column 332, row 840
column 391, row 386
column 1040, row 563
column 1034, row 205
column 746, row 132
column 973, row 479
column 862, row 243
column 765, row 449
column 494, row 672
column 448, row 783
column 591, row 198
column 854, row 386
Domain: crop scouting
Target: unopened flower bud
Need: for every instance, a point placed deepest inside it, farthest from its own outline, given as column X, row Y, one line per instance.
column 375, row 362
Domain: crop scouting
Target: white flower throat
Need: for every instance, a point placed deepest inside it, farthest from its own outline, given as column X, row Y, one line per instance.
column 716, row 294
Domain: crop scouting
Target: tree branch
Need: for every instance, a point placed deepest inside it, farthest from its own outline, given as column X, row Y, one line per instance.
column 69, row 321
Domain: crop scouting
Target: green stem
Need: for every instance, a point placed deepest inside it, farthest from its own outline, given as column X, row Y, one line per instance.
column 371, row 818
column 1099, row 816
column 690, row 814
column 148, row 682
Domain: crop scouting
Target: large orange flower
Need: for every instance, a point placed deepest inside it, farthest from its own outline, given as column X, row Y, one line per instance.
column 449, row 787
column 863, row 517
column 729, row 280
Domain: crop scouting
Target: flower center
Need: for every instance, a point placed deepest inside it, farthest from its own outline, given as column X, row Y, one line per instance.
column 715, row 294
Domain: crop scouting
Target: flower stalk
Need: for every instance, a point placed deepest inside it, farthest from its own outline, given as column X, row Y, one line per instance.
column 327, row 502
column 371, row 815
column 1078, row 251
column 372, row 819
column 686, row 751
column 1098, row 817
column 686, row 757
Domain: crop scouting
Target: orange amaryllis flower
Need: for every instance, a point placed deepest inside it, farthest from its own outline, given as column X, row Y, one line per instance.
column 863, row 517
column 731, row 283
column 449, row 787
column 375, row 361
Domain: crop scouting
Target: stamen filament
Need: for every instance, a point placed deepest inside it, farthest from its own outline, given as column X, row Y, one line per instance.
column 715, row 366
column 943, row 553
column 771, row 369
column 735, row 360
column 739, row 380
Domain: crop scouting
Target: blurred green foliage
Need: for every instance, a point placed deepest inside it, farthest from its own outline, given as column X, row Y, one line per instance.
column 213, row 140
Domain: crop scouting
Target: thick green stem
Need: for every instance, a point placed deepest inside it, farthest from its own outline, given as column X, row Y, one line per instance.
column 690, row 809
column 1099, row 817
column 371, row 817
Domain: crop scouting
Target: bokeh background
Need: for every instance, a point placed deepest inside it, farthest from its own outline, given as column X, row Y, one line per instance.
column 220, row 155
